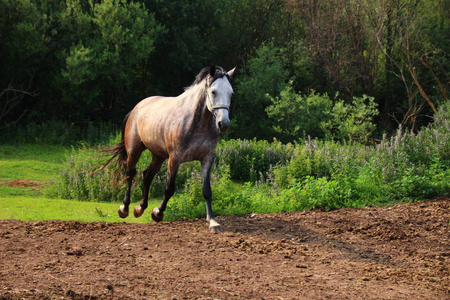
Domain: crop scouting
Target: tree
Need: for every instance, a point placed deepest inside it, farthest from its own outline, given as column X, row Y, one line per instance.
column 22, row 47
column 342, row 58
column 298, row 116
column 414, row 54
column 89, row 59
column 265, row 75
column 10, row 100
column 110, row 44
column 93, row 60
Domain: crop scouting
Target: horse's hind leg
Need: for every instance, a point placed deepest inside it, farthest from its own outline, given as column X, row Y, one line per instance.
column 149, row 174
column 132, row 159
column 123, row 209
column 172, row 169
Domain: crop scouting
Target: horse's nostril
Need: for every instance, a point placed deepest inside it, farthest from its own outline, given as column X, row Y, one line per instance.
column 220, row 125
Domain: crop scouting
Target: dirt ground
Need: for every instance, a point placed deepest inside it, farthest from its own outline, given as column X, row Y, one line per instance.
column 396, row 252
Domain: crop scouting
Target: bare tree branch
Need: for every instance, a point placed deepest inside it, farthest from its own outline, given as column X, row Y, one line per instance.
column 441, row 86
column 10, row 98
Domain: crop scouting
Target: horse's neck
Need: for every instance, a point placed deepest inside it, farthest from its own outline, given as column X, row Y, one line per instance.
column 194, row 100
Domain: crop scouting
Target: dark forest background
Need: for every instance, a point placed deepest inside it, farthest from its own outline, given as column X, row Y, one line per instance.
column 300, row 63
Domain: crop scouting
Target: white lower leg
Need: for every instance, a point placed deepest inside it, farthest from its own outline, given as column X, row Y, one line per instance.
column 214, row 226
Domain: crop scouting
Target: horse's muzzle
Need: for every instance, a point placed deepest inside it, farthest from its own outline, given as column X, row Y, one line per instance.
column 222, row 120
column 223, row 125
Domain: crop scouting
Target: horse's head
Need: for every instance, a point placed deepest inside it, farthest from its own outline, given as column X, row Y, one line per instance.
column 218, row 95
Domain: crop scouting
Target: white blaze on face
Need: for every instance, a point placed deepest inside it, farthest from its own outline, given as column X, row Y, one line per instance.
column 219, row 95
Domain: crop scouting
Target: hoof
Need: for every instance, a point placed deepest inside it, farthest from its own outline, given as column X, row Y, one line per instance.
column 138, row 211
column 157, row 215
column 122, row 212
column 216, row 229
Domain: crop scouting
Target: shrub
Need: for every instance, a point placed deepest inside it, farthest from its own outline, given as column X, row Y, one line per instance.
column 317, row 193
column 265, row 74
column 77, row 181
column 299, row 116
column 353, row 121
column 228, row 198
column 251, row 160
column 260, row 177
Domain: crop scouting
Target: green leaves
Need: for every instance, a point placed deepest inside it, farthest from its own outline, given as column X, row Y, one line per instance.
column 266, row 76
column 111, row 41
column 353, row 121
column 297, row 116
column 78, row 65
column 84, row 57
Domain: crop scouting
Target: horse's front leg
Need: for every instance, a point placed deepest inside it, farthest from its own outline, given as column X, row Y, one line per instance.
column 172, row 169
column 207, row 193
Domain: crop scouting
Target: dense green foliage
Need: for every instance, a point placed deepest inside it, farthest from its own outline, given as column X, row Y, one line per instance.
column 258, row 177
column 325, row 175
column 320, row 116
column 88, row 61
column 337, row 103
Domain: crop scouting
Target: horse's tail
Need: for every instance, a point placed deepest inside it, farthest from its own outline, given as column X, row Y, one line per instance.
column 117, row 151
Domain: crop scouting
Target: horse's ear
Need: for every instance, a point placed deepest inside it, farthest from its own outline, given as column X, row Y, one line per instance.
column 231, row 72
column 212, row 70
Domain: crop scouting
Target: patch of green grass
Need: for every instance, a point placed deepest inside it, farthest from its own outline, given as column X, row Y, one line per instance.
column 10, row 191
column 38, row 209
column 26, row 171
column 44, row 153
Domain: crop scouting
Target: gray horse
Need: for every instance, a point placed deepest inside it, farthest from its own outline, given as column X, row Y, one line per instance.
column 181, row 129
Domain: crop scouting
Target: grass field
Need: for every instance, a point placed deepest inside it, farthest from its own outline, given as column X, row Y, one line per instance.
column 26, row 171
column 249, row 177
column 27, row 208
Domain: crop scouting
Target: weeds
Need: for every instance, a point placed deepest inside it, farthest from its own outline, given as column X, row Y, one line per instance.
column 260, row 177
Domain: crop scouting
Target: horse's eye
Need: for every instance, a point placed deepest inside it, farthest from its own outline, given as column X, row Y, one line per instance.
column 213, row 93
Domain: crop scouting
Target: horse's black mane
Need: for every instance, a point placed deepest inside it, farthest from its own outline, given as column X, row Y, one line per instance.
column 220, row 72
